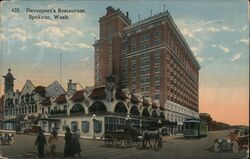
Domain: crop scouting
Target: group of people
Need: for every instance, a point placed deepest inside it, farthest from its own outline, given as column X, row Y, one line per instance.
column 72, row 143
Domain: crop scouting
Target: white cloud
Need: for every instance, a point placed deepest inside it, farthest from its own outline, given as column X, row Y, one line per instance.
column 200, row 59
column 243, row 28
column 235, row 57
column 84, row 46
column 211, row 58
column 18, row 34
column 226, row 28
column 93, row 34
column 46, row 44
column 187, row 32
column 219, row 29
column 17, row 30
column 23, row 47
column 213, row 29
column 2, row 18
column 246, row 41
column 194, row 49
column 225, row 50
column 2, row 37
column 58, row 32
column 85, row 59
column 45, row 22
column 71, row 30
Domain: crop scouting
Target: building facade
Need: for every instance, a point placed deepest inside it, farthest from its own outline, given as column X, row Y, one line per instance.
column 93, row 110
column 152, row 59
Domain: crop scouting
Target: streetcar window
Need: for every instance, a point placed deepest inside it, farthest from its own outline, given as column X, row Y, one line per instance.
column 186, row 125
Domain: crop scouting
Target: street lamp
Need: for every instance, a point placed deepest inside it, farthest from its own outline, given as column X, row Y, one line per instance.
column 25, row 121
column 94, row 119
column 128, row 121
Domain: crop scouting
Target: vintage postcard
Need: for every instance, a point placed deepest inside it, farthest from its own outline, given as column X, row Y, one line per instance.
column 124, row 79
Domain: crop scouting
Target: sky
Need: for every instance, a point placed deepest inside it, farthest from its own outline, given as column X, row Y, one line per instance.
column 216, row 31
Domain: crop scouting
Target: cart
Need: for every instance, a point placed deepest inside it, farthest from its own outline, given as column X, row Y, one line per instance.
column 126, row 137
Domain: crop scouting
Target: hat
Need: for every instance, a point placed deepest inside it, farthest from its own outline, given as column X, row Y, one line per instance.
column 67, row 129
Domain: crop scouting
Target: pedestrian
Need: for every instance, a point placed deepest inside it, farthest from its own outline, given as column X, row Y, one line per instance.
column 52, row 141
column 40, row 142
column 76, row 148
column 68, row 143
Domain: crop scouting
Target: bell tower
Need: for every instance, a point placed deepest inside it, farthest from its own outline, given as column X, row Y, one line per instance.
column 8, row 82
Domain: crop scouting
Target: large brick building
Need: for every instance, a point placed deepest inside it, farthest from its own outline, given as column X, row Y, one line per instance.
column 150, row 58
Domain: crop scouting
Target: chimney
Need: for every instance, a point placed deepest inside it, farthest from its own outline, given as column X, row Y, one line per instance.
column 127, row 15
column 71, row 87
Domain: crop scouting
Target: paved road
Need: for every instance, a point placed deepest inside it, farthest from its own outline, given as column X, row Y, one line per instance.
column 173, row 148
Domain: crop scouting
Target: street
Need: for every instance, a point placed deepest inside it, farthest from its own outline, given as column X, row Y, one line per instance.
column 173, row 147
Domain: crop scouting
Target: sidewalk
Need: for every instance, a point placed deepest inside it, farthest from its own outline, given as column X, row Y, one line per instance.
column 48, row 155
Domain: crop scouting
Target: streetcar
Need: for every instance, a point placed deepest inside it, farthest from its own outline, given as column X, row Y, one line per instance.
column 195, row 128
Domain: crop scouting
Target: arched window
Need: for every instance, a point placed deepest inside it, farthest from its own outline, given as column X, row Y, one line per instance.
column 97, row 107
column 145, row 113
column 154, row 114
column 121, row 108
column 134, row 110
column 77, row 108
column 162, row 116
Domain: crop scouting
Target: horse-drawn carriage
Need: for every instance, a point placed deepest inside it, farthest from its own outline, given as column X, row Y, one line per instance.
column 132, row 135
column 127, row 137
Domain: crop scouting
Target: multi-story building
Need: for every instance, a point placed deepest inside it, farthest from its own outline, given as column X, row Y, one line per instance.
column 152, row 59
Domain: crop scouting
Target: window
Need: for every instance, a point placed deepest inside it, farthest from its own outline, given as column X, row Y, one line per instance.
column 74, row 124
column 85, row 126
column 114, row 123
column 157, row 87
column 144, row 46
column 97, row 126
column 157, row 33
column 157, row 42
column 145, row 38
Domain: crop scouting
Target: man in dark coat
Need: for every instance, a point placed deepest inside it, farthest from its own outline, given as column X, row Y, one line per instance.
column 76, row 148
column 40, row 142
column 68, row 143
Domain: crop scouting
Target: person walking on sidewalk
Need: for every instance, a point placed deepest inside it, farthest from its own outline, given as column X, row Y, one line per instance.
column 76, row 148
column 52, row 141
column 68, row 143
column 40, row 142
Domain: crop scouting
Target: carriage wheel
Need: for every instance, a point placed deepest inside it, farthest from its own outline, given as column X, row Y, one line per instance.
column 128, row 141
column 108, row 140
column 216, row 147
column 118, row 141
column 236, row 147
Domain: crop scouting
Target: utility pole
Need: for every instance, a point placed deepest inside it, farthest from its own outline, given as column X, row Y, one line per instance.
column 60, row 68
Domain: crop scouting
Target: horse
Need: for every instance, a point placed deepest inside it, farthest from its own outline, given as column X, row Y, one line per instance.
column 147, row 135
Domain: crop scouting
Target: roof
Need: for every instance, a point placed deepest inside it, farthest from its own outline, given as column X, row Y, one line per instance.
column 154, row 105
column 146, row 103
column 61, row 99
column 46, row 101
column 162, row 108
column 134, row 99
column 40, row 90
column 9, row 75
column 78, row 96
column 54, row 90
column 97, row 92
column 119, row 94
